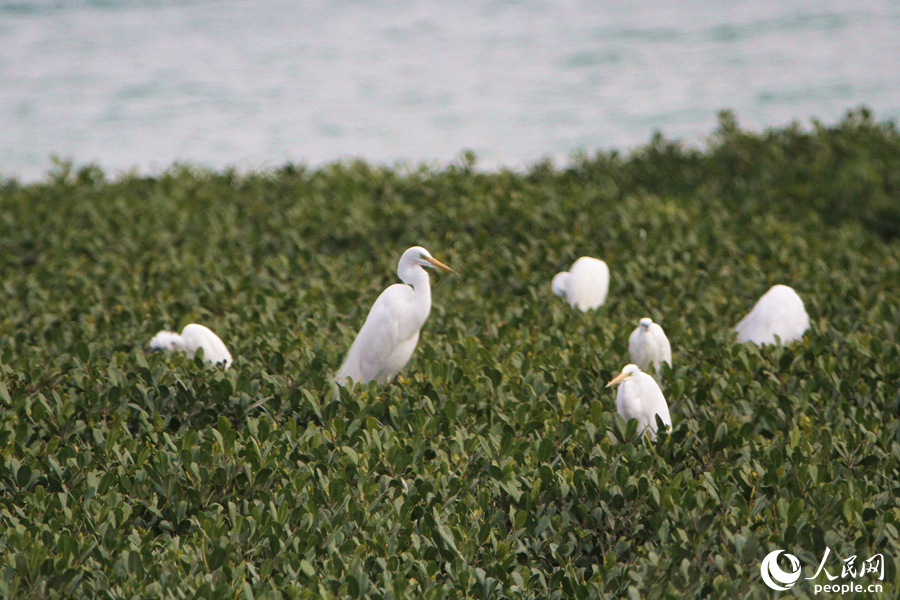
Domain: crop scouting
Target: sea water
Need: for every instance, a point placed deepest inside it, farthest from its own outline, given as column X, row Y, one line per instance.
column 140, row 84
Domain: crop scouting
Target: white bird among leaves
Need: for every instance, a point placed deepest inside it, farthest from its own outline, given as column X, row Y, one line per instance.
column 639, row 397
column 192, row 338
column 779, row 312
column 585, row 284
column 389, row 336
column 648, row 345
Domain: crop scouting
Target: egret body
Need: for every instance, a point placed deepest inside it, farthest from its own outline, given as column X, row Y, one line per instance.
column 779, row 312
column 639, row 397
column 391, row 331
column 192, row 338
column 648, row 345
column 585, row 284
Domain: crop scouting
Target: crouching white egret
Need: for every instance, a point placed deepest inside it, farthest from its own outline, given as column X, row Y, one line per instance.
column 585, row 284
column 192, row 338
column 388, row 337
column 779, row 312
column 639, row 397
column 648, row 345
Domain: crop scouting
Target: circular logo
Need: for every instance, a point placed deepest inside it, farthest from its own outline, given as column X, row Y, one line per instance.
column 772, row 573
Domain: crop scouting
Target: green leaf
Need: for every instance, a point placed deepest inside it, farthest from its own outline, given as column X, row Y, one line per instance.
column 307, row 568
column 795, row 510
column 23, row 476
column 546, row 449
column 450, row 409
column 794, row 437
column 447, row 536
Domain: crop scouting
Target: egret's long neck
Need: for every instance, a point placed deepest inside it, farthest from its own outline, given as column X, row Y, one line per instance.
column 417, row 277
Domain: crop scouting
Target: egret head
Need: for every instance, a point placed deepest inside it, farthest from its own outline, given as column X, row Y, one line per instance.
column 627, row 372
column 420, row 257
column 645, row 323
column 559, row 283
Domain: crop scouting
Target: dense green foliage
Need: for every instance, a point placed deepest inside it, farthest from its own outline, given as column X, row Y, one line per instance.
column 496, row 467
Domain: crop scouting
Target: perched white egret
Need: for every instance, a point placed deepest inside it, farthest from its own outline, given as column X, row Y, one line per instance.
column 779, row 312
column 388, row 337
column 639, row 397
column 648, row 345
column 192, row 338
column 585, row 284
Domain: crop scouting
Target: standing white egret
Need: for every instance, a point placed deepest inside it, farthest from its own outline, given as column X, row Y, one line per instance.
column 388, row 337
column 639, row 397
column 779, row 312
column 648, row 345
column 192, row 338
column 585, row 284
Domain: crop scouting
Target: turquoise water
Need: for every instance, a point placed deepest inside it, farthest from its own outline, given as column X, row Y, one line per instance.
column 141, row 84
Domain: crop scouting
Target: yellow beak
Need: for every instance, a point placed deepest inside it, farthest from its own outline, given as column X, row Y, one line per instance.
column 438, row 264
column 618, row 379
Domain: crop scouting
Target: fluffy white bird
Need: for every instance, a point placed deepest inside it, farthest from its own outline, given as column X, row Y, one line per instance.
column 648, row 345
column 585, row 284
column 639, row 397
column 192, row 338
column 388, row 337
column 779, row 312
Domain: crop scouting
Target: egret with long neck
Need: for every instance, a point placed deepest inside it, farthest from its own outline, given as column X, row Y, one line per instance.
column 389, row 336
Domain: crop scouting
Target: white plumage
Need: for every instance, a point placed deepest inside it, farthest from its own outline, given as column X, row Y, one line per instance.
column 648, row 345
column 192, row 338
column 779, row 312
column 585, row 284
column 389, row 336
column 639, row 397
